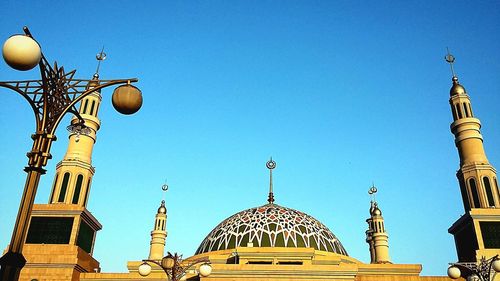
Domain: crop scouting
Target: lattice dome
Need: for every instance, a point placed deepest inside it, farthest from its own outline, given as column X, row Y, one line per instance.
column 271, row 226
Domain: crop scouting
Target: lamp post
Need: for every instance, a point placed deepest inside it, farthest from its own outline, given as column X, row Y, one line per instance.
column 50, row 97
column 174, row 267
column 485, row 270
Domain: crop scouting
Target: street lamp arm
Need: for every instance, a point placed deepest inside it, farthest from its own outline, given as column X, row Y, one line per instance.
column 86, row 93
column 174, row 268
column 76, row 90
column 16, row 86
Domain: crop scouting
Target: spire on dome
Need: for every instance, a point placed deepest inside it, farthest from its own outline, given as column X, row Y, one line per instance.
column 271, row 164
column 373, row 201
column 451, row 59
column 100, row 57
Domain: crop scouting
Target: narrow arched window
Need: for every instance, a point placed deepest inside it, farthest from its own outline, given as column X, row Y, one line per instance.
column 163, row 225
column 466, row 110
column 92, row 108
column 64, row 187
column 463, row 191
column 78, row 188
column 473, row 191
column 86, row 193
column 470, row 110
column 454, row 112
column 53, row 189
column 85, row 106
column 489, row 193
column 459, row 112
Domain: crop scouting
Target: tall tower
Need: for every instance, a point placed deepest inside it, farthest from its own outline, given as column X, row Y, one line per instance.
column 477, row 232
column 61, row 235
column 376, row 236
column 74, row 173
column 159, row 234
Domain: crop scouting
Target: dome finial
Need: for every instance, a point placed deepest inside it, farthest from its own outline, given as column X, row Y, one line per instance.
column 451, row 59
column 373, row 201
column 271, row 164
column 163, row 209
column 100, row 57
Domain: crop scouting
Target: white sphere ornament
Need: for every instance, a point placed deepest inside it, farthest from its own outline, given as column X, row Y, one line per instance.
column 144, row 269
column 496, row 265
column 21, row 52
column 205, row 270
column 453, row 272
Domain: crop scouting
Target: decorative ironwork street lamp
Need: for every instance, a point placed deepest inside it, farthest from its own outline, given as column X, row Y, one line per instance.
column 51, row 97
column 175, row 268
column 485, row 270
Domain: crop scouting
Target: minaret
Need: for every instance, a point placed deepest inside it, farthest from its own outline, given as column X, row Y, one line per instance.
column 159, row 232
column 74, row 173
column 475, row 232
column 376, row 236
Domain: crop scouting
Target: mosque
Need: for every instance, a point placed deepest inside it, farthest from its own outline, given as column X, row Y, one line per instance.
column 268, row 242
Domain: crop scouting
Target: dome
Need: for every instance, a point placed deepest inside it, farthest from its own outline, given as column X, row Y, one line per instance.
column 271, row 225
column 456, row 89
column 162, row 209
column 376, row 212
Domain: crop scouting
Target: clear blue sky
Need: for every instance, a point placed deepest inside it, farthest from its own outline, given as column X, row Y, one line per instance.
column 340, row 93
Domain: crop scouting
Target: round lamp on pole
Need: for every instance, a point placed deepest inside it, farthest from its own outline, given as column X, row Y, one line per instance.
column 127, row 99
column 144, row 269
column 454, row 272
column 496, row 265
column 167, row 262
column 21, row 52
column 205, row 270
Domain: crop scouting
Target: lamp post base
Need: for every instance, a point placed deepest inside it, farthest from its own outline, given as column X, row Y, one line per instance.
column 10, row 266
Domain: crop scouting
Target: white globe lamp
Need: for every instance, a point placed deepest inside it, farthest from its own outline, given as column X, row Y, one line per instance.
column 21, row 52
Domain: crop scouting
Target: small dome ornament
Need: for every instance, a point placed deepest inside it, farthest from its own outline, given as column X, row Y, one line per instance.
column 162, row 209
column 271, row 164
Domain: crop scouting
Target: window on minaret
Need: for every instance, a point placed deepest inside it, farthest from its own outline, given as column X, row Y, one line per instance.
column 78, row 188
column 86, row 193
column 53, row 189
column 473, row 191
column 496, row 184
column 470, row 109
column 489, row 194
column 85, row 106
column 463, row 191
column 466, row 110
column 459, row 112
column 64, row 187
column 92, row 108
column 454, row 112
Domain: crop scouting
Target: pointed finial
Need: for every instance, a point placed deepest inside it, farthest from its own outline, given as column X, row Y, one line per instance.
column 271, row 164
column 372, row 192
column 451, row 59
column 163, row 209
column 164, row 187
column 100, row 57
column 373, row 202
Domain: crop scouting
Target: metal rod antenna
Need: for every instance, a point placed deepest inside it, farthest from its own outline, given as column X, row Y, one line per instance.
column 450, row 59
